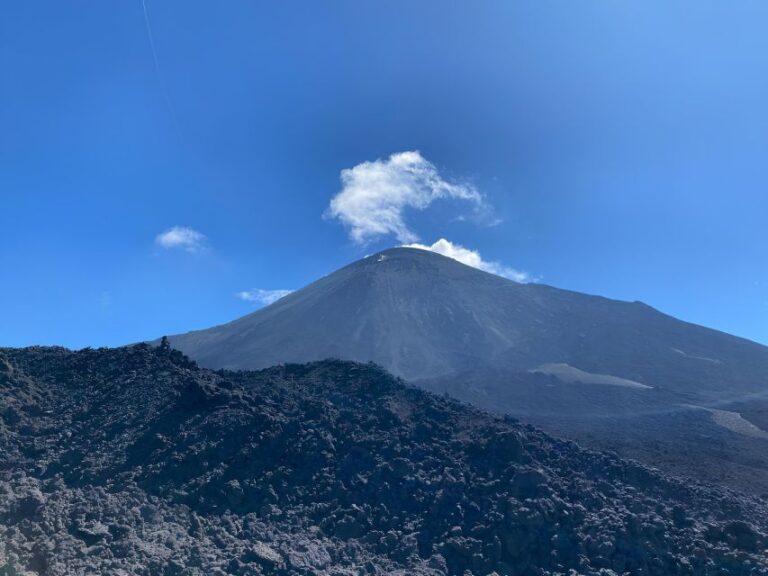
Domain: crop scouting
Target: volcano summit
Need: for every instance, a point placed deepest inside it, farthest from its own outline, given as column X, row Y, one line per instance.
column 614, row 374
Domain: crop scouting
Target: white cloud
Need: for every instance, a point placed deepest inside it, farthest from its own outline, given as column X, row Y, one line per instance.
column 181, row 237
column 374, row 195
column 264, row 297
column 473, row 258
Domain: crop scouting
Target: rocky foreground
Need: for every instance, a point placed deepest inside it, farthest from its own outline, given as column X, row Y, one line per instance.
column 135, row 461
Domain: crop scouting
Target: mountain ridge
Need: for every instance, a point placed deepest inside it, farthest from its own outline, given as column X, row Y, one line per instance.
column 378, row 308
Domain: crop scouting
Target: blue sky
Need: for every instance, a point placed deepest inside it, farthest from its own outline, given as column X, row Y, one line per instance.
column 617, row 148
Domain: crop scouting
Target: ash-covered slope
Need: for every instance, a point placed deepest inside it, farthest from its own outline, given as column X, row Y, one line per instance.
column 614, row 375
column 422, row 315
column 134, row 461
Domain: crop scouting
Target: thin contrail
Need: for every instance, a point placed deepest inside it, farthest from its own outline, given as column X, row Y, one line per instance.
column 158, row 71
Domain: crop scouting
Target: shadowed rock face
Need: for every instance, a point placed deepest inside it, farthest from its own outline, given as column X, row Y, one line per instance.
column 135, row 461
column 612, row 374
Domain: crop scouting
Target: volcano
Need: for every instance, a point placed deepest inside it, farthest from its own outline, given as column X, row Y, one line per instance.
column 613, row 374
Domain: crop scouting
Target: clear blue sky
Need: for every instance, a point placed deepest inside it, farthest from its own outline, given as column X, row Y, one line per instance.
column 621, row 148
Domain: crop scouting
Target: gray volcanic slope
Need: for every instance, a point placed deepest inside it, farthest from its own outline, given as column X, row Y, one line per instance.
column 422, row 315
column 610, row 374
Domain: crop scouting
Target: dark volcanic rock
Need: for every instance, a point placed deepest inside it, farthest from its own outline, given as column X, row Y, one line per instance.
column 135, row 461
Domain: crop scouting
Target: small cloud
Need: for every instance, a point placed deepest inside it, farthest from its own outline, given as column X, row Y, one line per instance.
column 263, row 297
column 181, row 237
column 375, row 194
column 473, row 258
